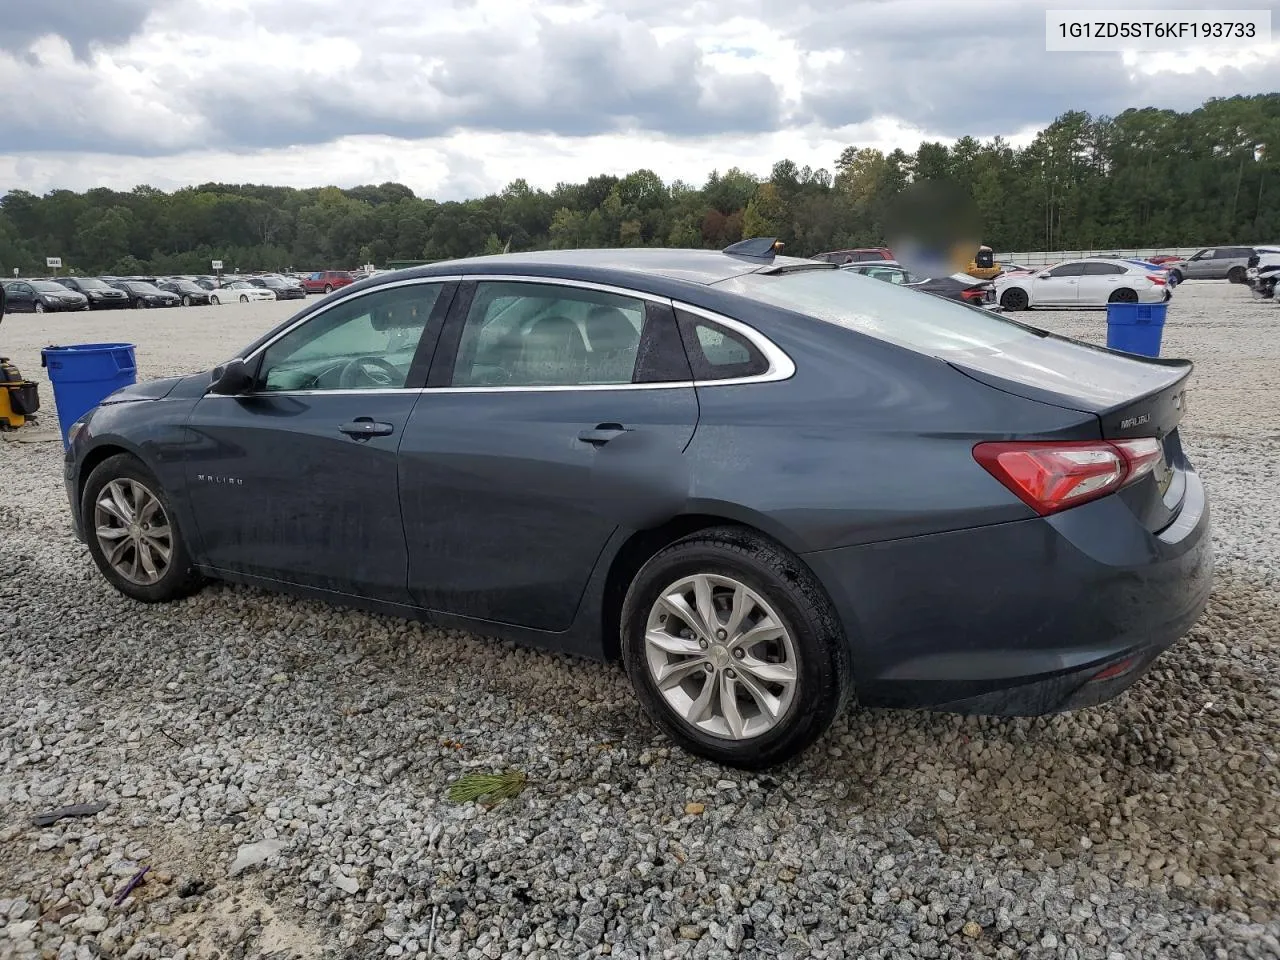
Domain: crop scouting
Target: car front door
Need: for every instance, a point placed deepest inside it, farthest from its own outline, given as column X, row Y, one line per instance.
column 296, row 480
column 1100, row 280
column 1200, row 266
column 555, row 414
column 1059, row 288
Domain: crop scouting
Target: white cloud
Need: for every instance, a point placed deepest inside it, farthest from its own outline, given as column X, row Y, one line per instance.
column 455, row 98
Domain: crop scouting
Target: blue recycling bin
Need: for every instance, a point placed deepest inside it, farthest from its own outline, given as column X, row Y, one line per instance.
column 84, row 374
column 1136, row 327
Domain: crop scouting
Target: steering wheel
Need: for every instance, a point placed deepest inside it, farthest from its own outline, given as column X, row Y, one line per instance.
column 363, row 371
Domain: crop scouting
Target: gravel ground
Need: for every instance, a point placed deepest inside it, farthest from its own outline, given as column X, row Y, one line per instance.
column 1147, row 827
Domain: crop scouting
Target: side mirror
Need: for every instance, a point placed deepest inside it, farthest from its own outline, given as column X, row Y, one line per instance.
column 230, row 379
column 1044, row 276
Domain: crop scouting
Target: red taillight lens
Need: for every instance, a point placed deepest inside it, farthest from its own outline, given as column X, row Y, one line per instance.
column 1049, row 476
column 1157, row 278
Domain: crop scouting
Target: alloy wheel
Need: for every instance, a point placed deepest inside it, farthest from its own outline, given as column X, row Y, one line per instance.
column 39, row 307
column 133, row 531
column 721, row 656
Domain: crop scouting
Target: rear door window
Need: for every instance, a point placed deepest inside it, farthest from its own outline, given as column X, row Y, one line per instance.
column 1068, row 270
column 1098, row 269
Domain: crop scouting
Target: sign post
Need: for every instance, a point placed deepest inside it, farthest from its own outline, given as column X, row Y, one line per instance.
column 53, row 263
column 217, row 268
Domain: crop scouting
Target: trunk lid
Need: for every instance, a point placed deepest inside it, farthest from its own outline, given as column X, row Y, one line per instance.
column 1131, row 397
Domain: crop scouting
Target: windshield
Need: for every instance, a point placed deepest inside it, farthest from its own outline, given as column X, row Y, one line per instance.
column 883, row 310
column 48, row 286
column 90, row 283
column 144, row 288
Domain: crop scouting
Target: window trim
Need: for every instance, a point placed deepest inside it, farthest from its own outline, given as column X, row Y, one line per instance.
column 780, row 365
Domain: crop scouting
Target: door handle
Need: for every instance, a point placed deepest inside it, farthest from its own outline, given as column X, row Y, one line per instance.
column 362, row 428
column 602, row 434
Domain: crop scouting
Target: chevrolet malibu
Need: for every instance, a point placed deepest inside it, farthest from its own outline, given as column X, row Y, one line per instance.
column 766, row 485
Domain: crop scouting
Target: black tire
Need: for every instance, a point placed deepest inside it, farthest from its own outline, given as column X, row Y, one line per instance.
column 1123, row 295
column 181, row 578
column 1236, row 275
column 1176, row 276
column 186, row 300
column 215, row 301
column 244, row 298
column 824, row 681
column 1015, row 298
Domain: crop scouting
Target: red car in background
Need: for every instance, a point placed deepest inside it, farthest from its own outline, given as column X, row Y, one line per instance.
column 1162, row 258
column 326, row 281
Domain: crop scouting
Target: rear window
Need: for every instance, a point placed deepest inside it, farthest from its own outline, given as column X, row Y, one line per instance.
column 884, row 310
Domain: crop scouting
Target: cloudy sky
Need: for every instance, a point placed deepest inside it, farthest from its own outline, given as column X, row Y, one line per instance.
column 458, row 97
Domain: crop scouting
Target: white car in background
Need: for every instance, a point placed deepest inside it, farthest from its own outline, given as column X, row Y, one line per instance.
column 1084, row 283
column 240, row 290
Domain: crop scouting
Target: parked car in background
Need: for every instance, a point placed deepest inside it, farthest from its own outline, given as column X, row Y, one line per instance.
column 239, row 290
column 957, row 286
column 42, row 296
column 190, row 292
column 326, row 281
column 143, row 294
column 284, row 288
column 671, row 465
column 856, row 255
column 99, row 294
column 1083, row 283
column 1213, row 263
column 1164, row 258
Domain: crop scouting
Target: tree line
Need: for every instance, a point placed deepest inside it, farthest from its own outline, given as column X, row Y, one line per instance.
column 1145, row 178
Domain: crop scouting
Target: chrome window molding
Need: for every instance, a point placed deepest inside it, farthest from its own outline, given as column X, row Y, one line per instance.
column 781, row 366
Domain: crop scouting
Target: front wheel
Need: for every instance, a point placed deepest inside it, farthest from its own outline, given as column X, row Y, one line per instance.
column 1176, row 276
column 214, row 300
column 1015, row 298
column 39, row 308
column 1123, row 295
column 133, row 534
column 186, row 300
column 328, row 288
column 244, row 298
column 733, row 648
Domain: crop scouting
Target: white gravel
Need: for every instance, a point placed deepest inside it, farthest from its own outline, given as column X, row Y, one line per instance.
column 315, row 746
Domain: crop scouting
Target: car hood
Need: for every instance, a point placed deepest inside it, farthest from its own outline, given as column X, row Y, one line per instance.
column 152, row 389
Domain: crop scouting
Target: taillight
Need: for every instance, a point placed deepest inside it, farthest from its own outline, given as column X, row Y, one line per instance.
column 1161, row 279
column 1050, row 475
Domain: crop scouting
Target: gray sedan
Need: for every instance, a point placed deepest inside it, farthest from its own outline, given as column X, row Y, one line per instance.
column 768, row 486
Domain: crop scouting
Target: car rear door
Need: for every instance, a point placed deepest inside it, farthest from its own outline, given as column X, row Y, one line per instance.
column 1060, row 288
column 21, row 297
column 297, row 480
column 1100, row 280
column 556, row 412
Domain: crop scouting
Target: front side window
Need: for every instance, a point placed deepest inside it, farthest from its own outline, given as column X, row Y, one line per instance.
column 367, row 343
column 1205, row 255
column 533, row 334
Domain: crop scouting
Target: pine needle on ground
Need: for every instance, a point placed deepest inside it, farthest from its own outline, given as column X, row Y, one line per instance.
column 490, row 789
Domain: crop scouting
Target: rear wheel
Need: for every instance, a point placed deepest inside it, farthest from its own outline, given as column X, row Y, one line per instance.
column 1015, row 298
column 244, row 298
column 1236, row 275
column 133, row 534
column 214, row 300
column 1123, row 295
column 733, row 648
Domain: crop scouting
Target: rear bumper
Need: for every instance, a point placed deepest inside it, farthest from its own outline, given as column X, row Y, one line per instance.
column 1017, row 619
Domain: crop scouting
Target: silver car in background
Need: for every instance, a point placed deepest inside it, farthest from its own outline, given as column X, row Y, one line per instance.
column 1213, row 263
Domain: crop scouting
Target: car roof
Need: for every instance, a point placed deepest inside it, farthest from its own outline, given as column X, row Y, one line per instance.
column 696, row 266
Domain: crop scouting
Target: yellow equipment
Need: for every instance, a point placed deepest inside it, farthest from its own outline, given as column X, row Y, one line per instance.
column 19, row 399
